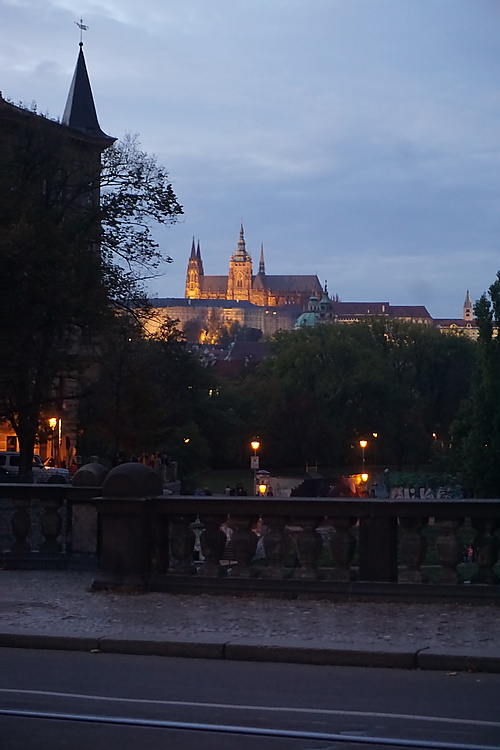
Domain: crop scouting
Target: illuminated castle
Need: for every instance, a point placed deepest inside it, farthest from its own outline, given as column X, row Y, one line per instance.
column 242, row 285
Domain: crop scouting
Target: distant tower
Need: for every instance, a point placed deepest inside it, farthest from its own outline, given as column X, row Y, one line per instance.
column 239, row 280
column 194, row 273
column 325, row 305
column 468, row 311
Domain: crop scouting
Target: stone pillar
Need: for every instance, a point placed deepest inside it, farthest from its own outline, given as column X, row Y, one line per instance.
column 378, row 549
column 486, row 546
column 125, row 559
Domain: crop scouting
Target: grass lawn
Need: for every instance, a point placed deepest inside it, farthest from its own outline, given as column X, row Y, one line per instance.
column 217, row 481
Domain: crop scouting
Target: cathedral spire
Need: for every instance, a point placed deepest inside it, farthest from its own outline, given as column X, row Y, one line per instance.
column 242, row 248
column 80, row 113
column 193, row 251
column 199, row 260
column 262, row 266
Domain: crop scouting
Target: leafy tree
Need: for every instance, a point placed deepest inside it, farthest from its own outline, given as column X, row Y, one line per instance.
column 67, row 256
column 478, row 430
column 326, row 387
column 430, row 375
column 152, row 394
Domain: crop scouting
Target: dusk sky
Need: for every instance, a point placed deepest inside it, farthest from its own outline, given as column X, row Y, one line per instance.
column 358, row 140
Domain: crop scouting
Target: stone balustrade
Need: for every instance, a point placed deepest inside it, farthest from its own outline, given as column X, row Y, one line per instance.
column 144, row 539
column 48, row 526
column 317, row 545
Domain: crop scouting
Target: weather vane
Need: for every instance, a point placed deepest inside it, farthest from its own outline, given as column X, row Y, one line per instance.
column 82, row 28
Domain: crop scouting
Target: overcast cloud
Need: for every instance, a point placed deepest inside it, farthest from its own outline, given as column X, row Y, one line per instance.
column 356, row 139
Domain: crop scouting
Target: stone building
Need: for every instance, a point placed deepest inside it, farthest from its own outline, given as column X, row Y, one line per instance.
column 325, row 310
column 81, row 142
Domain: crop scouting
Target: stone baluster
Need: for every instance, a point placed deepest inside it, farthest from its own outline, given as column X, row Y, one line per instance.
column 449, row 549
column 485, row 546
column 339, row 546
column 197, row 528
column 273, row 546
column 305, row 547
column 244, row 543
column 213, row 544
column 180, row 544
column 21, row 526
column 412, row 549
column 50, row 525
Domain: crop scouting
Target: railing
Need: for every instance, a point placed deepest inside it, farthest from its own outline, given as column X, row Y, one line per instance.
column 48, row 526
column 349, row 546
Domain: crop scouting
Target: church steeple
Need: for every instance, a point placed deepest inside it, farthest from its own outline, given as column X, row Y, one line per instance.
column 468, row 308
column 80, row 113
column 262, row 266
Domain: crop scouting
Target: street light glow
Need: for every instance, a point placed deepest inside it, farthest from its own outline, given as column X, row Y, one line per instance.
column 363, row 443
column 255, row 445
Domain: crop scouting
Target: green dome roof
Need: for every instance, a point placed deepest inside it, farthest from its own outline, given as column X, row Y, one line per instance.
column 306, row 319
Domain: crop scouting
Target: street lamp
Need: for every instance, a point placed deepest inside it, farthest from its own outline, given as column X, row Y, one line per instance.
column 55, row 426
column 362, row 445
column 254, row 463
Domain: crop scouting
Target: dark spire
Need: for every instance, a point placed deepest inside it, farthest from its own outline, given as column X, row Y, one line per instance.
column 193, row 251
column 242, row 250
column 262, row 267
column 79, row 112
column 198, row 258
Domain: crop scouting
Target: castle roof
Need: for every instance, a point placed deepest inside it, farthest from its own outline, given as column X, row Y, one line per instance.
column 201, row 303
column 213, row 284
column 289, row 283
column 409, row 311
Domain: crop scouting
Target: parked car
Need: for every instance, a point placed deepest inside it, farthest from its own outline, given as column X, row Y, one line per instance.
column 10, row 460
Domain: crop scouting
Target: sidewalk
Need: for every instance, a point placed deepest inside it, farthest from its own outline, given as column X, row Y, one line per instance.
column 47, row 609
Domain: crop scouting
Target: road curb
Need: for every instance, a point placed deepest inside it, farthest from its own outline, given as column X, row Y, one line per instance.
column 272, row 650
column 458, row 660
column 205, row 648
column 318, row 653
column 55, row 641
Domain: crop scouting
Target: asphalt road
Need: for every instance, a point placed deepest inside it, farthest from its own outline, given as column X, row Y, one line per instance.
column 55, row 699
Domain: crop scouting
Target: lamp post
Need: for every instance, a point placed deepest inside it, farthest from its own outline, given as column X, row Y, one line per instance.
column 254, row 463
column 55, row 426
column 362, row 445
